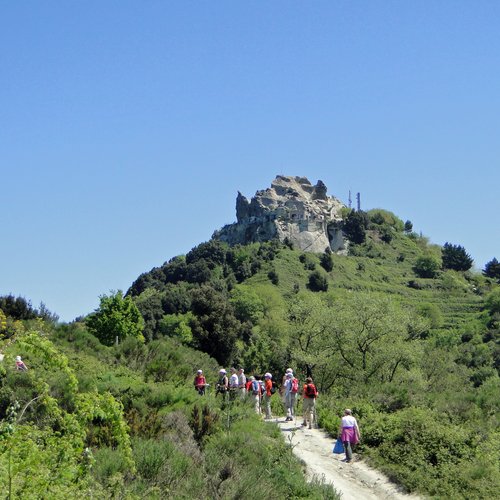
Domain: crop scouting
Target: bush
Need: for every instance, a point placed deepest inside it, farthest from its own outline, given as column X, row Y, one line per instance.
column 318, row 282
column 354, row 226
column 273, row 276
column 426, row 267
column 382, row 217
column 326, row 261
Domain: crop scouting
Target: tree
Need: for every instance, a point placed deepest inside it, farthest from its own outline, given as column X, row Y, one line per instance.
column 318, row 282
column 492, row 269
column 370, row 337
column 326, row 260
column 247, row 304
column 455, row 257
column 354, row 226
column 116, row 318
column 309, row 318
column 3, row 321
column 17, row 307
column 492, row 302
column 177, row 326
column 149, row 303
column 426, row 267
column 215, row 328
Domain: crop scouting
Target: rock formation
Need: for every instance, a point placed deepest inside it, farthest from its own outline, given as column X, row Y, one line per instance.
column 292, row 208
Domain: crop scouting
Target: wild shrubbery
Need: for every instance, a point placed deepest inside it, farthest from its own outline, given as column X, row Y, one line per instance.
column 417, row 359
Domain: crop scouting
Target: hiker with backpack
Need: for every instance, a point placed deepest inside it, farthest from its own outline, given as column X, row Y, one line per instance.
column 254, row 390
column 268, row 392
column 291, row 388
column 348, row 433
column 283, row 381
column 200, row 382
column 233, row 384
column 242, row 383
column 309, row 395
column 223, row 383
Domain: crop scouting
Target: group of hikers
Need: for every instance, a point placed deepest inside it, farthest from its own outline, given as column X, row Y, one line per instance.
column 260, row 389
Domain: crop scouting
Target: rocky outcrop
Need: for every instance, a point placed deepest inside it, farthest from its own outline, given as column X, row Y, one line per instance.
column 292, row 208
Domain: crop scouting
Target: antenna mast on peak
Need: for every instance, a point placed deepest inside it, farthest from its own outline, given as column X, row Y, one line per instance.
column 350, row 199
column 358, row 198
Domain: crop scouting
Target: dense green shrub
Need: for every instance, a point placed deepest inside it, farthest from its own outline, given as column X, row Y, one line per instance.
column 426, row 267
column 354, row 226
column 385, row 218
column 326, row 261
column 318, row 282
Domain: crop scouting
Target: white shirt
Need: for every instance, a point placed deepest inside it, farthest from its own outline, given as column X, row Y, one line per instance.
column 348, row 421
column 233, row 381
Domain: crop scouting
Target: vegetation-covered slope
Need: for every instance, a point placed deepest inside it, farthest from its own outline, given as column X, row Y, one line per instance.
column 399, row 330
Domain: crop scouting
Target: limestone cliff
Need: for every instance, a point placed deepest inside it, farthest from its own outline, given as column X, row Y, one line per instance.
column 291, row 208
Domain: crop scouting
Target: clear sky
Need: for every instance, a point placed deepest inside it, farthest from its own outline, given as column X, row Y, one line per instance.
column 127, row 127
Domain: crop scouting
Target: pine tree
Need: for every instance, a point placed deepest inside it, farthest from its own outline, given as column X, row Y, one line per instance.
column 455, row 257
column 492, row 269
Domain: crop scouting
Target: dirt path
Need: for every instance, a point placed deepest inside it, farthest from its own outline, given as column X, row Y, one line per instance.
column 354, row 481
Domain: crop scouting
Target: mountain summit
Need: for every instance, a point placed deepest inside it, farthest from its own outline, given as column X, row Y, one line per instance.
column 291, row 209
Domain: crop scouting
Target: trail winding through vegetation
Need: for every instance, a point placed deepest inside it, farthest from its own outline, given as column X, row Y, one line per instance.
column 354, row 481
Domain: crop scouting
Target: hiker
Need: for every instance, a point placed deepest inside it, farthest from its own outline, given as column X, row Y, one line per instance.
column 254, row 389
column 20, row 364
column 309, row 395
column 291, row 386
column 200, row 382
column 233, row 383
column 242, row 382
column 223, row 383
column 287, row 371
column 266, row 397
column 348, row 433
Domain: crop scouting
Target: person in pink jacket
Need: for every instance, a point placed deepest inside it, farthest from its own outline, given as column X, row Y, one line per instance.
column 20, row 364
column 348, row 433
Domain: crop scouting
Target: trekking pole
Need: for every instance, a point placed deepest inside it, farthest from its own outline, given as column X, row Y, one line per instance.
column 315, row 417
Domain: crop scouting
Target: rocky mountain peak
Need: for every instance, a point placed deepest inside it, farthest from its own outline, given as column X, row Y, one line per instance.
column 292, row 208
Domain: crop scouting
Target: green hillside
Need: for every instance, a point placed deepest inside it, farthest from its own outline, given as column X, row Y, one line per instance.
column 399, row 330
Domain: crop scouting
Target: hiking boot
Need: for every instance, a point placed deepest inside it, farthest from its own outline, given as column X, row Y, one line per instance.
column 303, row 424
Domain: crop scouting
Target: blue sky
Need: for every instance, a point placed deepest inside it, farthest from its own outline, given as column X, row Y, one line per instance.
column 129, row 126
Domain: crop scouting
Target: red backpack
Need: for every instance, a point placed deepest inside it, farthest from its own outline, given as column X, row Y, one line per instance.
column 295, row 385
column 311, row 391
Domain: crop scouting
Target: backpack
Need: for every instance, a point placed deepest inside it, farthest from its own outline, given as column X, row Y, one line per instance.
column 295, row 385
column 274, row 388
column 255, row 387
column 221, row 385
column 310, row 391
